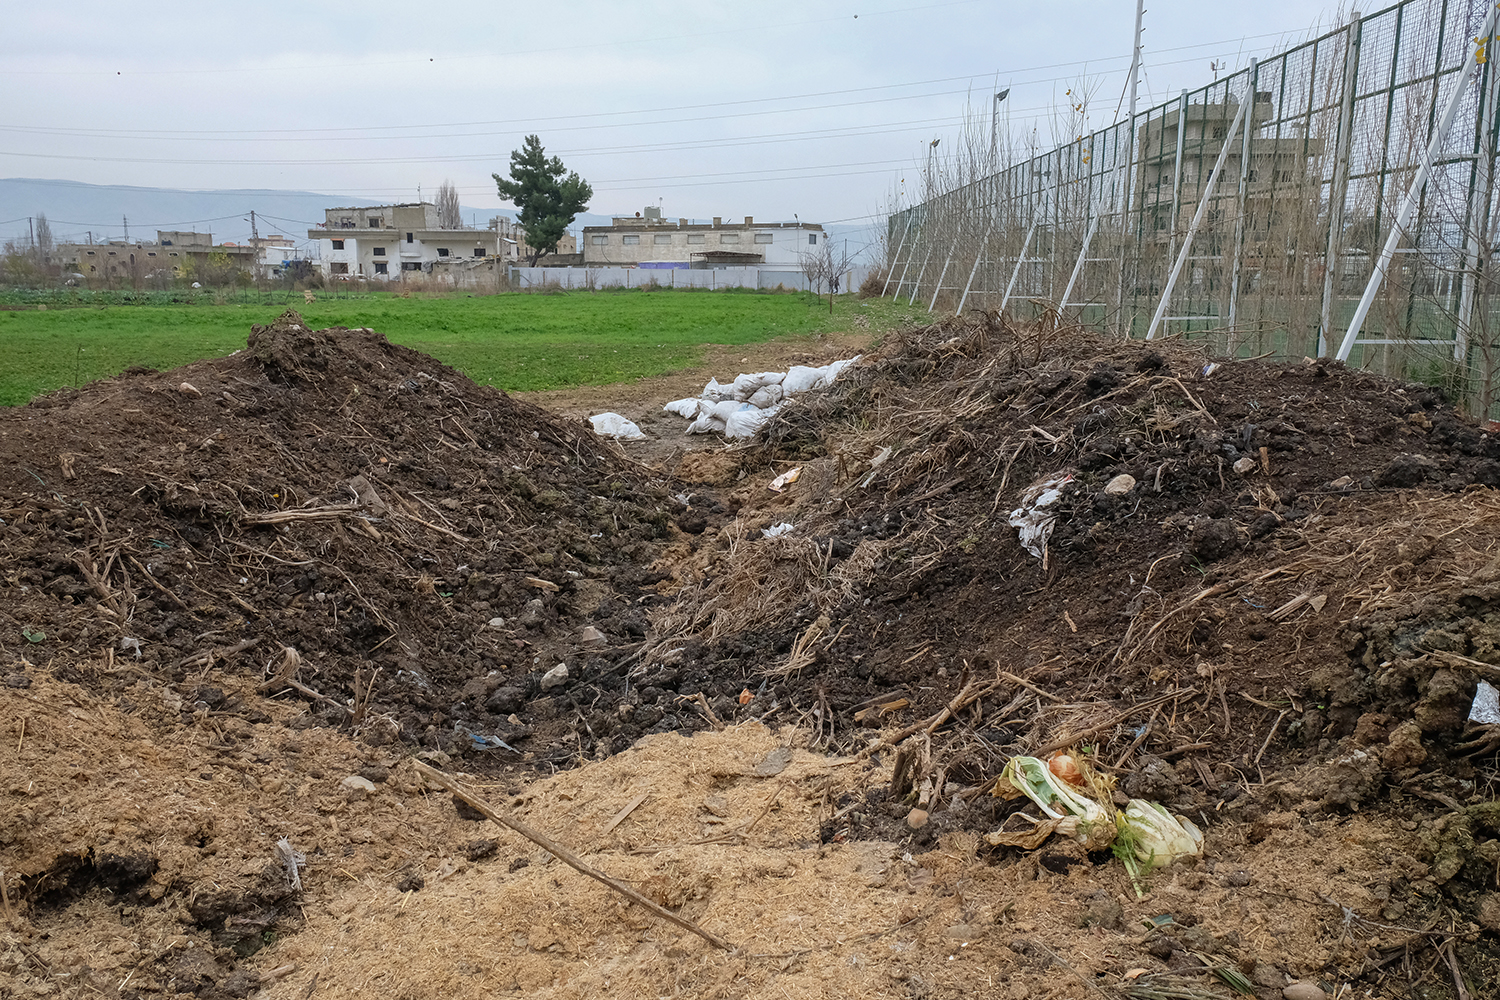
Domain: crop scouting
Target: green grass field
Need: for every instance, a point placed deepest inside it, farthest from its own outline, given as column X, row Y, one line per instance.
column 515, row 341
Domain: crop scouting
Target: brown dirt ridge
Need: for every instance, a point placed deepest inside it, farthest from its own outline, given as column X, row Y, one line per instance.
column 242, row 595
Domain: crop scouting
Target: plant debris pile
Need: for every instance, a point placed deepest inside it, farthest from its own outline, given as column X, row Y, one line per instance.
column 1254, row 572
column 425, row 547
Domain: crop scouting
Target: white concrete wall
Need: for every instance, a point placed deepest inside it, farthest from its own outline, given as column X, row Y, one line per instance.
column 631, row 277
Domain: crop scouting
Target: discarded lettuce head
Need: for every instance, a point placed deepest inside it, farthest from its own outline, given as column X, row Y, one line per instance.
column 1069, row 812
column 1155, row 836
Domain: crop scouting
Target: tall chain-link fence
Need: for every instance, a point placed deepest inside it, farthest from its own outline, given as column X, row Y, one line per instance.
column 1254, row 211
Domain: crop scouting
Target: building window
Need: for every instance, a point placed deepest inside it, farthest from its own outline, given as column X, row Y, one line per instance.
column 378, row 251
column 173, row 254
column 1220, row 131
column 479, row 251
column 408, row 237
column 695, row 237
column 150, row 253
column 729, row 237
column 374, row 223
column 442, row 251
column 92, row 268
column 90, row 253
column 339, row 267
column 599, row 241
column 630, row 241
column 382, row 267
column 812, row 239
column 338, row 244
column 762, row 237
column 411, row 265
column 661, row 239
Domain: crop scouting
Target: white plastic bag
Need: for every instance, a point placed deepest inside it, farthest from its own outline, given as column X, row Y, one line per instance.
column 717, row 392
column 801, row 378
column 685, row 408
column 765, row 397
column 747, row 420
column 746, row 386
column 712, row 417
column 1034, row 517
column 615, row 426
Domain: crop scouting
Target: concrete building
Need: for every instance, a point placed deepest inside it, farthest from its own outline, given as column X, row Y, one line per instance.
column 514, row 247
column 649, row 241
column 386, row 241
column 1279, row 170
column 168, row 257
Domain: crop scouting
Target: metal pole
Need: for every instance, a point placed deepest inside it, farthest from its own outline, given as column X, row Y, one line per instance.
column 907, row 266
column 983, row 240
column 1016, row 273
column 1135, row 63
column 1241, row 203
column 1481, row 190
column 1177, row 171
column 1338, row 191
column 1078, row 266
column 1187, row 242
column 904, row 232
column 1419, row 182
column 995, row 122
column 916, row 286
column 948, row 260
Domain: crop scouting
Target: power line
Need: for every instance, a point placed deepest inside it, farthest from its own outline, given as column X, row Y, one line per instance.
column 333, row 133
column 490, row 56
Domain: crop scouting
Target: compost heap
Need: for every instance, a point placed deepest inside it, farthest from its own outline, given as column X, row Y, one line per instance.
column 240, row 597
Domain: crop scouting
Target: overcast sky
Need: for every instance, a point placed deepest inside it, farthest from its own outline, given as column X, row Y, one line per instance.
column 771, row 109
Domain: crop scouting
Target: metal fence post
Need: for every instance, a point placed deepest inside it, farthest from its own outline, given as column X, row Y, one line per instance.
column 948, row 260
column 1187, row 243
column 1338, row 192
column 1481, row 191
column 1418, row 183
column 911, row 253
column 909, row 213
column 1241, row 203
column 978, row 256
column 1177, row 171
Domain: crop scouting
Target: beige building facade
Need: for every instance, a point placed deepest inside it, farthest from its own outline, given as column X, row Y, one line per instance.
column 648, row 240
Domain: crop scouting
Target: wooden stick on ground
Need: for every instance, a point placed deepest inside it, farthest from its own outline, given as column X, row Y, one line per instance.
column 566, row 856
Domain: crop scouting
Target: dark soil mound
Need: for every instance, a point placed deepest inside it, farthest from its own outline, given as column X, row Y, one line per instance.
column 421, row 542
column 1299, row 562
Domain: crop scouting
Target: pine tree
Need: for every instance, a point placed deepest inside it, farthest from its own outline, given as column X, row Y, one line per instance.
column 549, row 196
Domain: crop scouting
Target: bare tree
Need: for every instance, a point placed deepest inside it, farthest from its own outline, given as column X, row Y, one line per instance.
column 825, row 266
column 450, row 216
column 43, row 237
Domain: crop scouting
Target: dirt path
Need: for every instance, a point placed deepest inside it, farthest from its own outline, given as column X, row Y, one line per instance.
column 642, row 399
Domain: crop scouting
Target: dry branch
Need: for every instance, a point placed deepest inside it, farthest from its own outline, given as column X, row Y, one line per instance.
column 563, row 854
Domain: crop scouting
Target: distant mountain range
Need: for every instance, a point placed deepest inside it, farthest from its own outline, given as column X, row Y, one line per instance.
column 75, row 210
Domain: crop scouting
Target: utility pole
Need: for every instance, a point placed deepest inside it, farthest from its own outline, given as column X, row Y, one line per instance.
column 126, row 222
column 255, row 246
column 32, row 230
column 1135, row 59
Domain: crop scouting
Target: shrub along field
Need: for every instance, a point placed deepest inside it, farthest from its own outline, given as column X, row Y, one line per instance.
column 515, row 341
